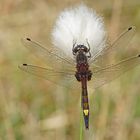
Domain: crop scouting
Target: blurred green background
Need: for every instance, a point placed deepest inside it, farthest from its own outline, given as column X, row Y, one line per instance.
column 34, row 109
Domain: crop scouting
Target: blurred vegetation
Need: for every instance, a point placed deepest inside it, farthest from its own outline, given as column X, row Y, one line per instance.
column 34, row 109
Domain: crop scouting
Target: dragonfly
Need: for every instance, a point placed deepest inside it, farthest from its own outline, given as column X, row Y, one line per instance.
column 84, row 69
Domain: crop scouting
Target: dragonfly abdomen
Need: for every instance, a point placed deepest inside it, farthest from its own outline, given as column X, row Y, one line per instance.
column 85, row 103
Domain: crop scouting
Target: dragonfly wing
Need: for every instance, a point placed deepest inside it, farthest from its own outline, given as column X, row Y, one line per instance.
column 61, row 78
column 53, row 56
column 109, row 73
column 117, row 51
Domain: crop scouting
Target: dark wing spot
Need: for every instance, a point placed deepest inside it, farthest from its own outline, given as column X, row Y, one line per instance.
column 139, row 55
column 130, row 28
column 28, row 39
column 24, row 64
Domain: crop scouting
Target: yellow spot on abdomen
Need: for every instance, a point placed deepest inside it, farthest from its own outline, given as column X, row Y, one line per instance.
column 86, row 112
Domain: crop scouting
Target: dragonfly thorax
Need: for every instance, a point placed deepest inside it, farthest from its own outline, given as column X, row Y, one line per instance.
column 82, row 66
column 81, row 57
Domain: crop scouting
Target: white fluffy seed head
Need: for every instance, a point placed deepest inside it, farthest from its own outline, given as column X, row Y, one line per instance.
column 79, row 24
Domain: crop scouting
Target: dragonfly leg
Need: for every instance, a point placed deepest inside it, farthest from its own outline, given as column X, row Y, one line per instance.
column 74, row 43
column 89, row 75
column 89, row 56
column 77, row 76
column 88, row 45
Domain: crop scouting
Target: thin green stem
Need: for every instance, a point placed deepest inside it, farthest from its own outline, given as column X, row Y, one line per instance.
column 81, row 125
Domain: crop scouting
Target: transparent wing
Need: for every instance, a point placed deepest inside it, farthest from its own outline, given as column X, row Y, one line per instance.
column 109, row 73
column 61, row 78
column 116, row 52
column 53, row 56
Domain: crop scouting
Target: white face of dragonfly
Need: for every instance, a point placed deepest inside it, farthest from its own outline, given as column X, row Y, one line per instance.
column 81, row 52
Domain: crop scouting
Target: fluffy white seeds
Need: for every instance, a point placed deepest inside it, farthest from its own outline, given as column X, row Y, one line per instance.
column 79, row 24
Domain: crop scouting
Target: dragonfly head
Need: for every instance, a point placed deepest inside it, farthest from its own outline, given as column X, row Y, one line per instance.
column 80, row 48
